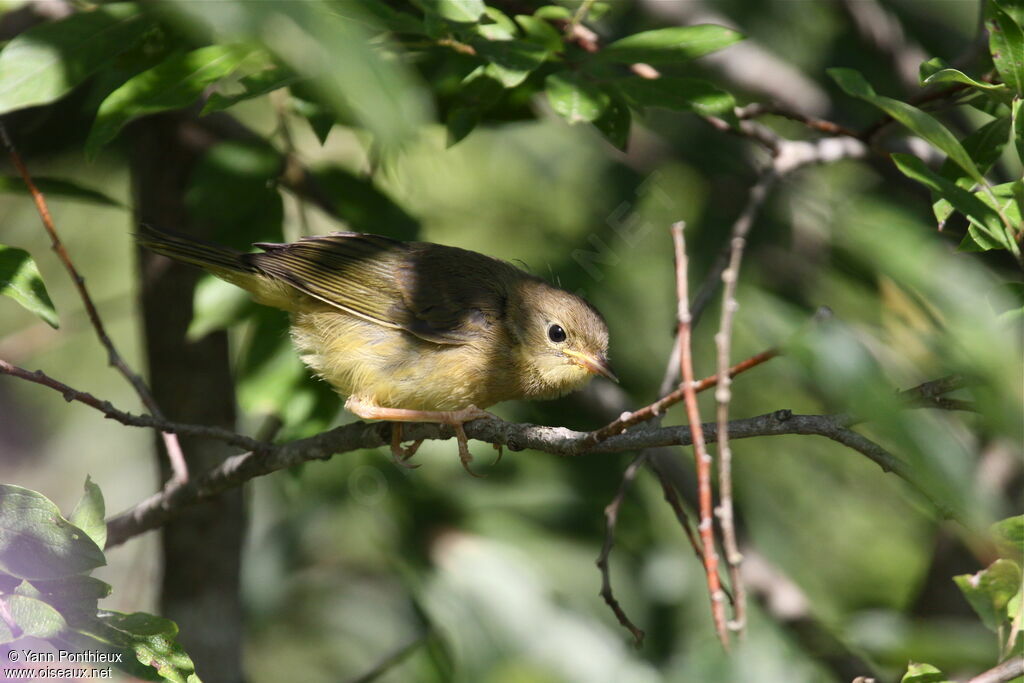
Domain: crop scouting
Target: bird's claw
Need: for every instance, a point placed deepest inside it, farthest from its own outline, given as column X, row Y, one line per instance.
column 400, row 454
column 464, row 455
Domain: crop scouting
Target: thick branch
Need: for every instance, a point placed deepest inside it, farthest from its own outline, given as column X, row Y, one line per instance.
column 235, row 471
column 264, row 458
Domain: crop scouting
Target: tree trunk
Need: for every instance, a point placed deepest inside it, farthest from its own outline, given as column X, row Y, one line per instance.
column 191, row 383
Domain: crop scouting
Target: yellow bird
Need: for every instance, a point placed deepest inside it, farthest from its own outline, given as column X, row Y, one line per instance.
column 414, row 331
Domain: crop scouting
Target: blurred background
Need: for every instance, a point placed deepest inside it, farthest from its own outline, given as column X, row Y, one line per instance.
column 349, row 562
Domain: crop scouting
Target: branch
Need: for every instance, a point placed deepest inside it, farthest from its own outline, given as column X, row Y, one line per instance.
column 174, row 454
column 700, row 453
column 128, row 419
column 611, row 517
column 656, row 409
column 264, row 458
column 1007, row 671
column 723, row 395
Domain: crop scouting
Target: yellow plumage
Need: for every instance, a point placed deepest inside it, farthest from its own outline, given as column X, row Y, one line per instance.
column 412, row 330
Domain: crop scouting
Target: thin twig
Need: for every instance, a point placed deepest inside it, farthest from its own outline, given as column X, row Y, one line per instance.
column 579, row 16
column 758, row 109
column 700, row 455
column 391, row 661
column 611, row 518
column 658, row 408
column 128, row 419
column 174, row 453
column 723, row 394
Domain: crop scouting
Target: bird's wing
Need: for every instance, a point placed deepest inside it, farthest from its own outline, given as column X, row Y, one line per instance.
column 440, row 294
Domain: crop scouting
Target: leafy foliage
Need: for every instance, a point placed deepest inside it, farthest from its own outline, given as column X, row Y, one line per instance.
column 46, row 591
column 379, row 74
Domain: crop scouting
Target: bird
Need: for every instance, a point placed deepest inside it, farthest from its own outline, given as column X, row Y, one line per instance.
column 413, row 331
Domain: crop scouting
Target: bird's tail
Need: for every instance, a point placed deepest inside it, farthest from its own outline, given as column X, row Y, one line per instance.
column 221, row 261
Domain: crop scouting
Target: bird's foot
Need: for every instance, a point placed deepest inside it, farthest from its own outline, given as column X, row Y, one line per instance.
column 401, row 455
column 454, row 418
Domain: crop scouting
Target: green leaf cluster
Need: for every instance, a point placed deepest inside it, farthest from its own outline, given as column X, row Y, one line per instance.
column 993, row 213
column 46, row 591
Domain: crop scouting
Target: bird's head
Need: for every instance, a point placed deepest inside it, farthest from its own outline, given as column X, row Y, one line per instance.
column 563, row 341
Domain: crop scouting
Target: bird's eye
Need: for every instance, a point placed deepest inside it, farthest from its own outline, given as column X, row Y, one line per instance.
column 556, row 334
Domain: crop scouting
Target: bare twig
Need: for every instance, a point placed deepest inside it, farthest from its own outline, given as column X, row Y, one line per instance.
column 932, row 394
column 700, row 455
column 672, row 498
column 611, row 518
column 723, row 395
column 656, row 409
column 391, row 661
column 1007, row 671
column 128, row 419
column 174, row 454
column 757, row 109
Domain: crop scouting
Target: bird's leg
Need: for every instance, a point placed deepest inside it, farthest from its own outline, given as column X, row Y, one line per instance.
column 401, row 455
column 455, row 418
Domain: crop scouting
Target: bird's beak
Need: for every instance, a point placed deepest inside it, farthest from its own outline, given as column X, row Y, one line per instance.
column 598, row 365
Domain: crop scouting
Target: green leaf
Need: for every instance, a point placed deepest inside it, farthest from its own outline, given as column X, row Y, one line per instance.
column 984, row 146
column 553, row 13
column 20, row 280
column 459, row 11
column 1009, row 535
column 929, row 67
column 319, row 117
column 335, row 55
column 510, row 61
column 55, row 187
column 174, row 83
column 88, row 515
column 977, row 211
column 36, row 542
column 615, row 122
column 460, row 122
column 499, row 28
column 990, row 590
column 955, row 76
column 30, row 616
column 45, row 62
column 574, row 98
column 216, row 305
column 75, row 597
column 669, row 45
column 363, row 206
column 255, row 85
column 1006, row 43
column 540, row 32
column 152, row 639
column 910, row 116
column 923, row 673
column 247, row 169
column 683, row 94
